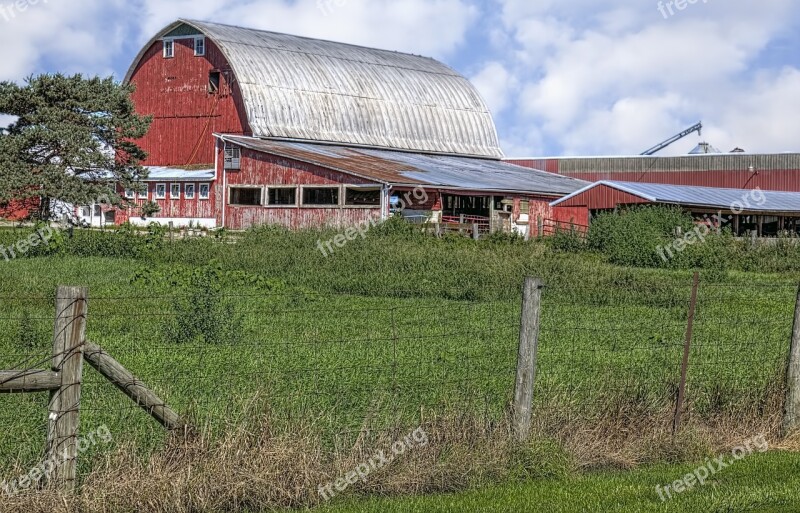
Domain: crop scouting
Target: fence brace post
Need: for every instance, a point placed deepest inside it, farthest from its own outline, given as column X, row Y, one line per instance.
column 64, row 406
column 791, row 409
column 526, row 359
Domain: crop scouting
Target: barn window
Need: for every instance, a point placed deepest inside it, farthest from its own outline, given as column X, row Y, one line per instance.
column 282, row 196
column 199, row 46
column 130, row 194
column 161, row 191
column 320, row 196
column 213, row 82
column 143, row 193
column 233, row 155
column 188, row 191
column 362, row 196
column 245, row 196
column 175, row 191
column 169, row 48
column 205, row 191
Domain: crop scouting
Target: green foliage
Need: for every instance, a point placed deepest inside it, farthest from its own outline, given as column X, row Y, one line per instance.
column 149, row 209
column 637, row 236
column 567, row 241
column 59, row 146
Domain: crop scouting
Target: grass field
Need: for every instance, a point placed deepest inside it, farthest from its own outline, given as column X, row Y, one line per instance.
column 398, row 331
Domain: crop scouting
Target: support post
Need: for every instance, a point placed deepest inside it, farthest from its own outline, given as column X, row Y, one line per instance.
column 476, row 234
column 526, row 359
column 791, row 409
column 539, row 226
column 676, row 423
column 64, row 406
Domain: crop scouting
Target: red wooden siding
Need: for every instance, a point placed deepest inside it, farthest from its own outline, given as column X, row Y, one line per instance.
column 19, row 210
column 261, row 169
column 185, row 115
column 170, row 209
column 602, row 197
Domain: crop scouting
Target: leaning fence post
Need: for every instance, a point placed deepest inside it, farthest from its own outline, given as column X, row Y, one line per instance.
column 676, row 423
column 791, row 412
column 526, row 359
column 64, row 405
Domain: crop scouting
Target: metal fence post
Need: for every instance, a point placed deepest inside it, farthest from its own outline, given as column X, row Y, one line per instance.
column 64, row 407
column 791, row 409
column 526, row 359
column 676, row 423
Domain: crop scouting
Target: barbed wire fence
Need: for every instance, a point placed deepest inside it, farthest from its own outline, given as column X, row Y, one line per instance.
column 349, row 366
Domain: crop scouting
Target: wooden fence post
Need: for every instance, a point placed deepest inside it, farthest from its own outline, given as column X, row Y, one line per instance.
column 676, row 423
column 64, row 407
column 539, row 226
column 476, row 234
column 791, row 411
column 526, row 359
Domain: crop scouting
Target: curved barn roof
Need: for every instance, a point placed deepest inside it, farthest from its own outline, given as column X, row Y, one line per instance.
column 306, row 89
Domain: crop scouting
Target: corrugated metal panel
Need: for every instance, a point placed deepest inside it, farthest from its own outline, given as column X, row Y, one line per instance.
column 710, row 197
column 166, row 173
column 397, row 168
column 307, row 89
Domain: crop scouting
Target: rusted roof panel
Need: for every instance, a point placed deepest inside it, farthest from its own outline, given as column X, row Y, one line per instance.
column 313, row 90
column 406, row 168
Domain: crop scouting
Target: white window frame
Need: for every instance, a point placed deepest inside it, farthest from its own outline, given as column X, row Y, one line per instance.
column 332, row 205
column 130, row 194
column 146, row 194
column 356, row 187
column 186, row 191
column 172, row 188
column 233, row 156
column 158, row 196
column 169, row 44
column 200, row 191
column 296, row 196
column 245, row 186
column 199, row 39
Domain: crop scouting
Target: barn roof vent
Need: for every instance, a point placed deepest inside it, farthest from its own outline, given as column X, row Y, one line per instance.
column 704, row 148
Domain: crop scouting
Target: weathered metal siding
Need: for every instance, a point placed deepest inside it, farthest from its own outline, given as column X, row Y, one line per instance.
column 185, row 115
column 778, row 172
column 261, row 169
column 601, row 197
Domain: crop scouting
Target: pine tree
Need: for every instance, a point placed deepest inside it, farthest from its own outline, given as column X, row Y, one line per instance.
column 73, row 139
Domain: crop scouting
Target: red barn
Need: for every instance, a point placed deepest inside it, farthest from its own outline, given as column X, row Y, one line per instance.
column 312, row 133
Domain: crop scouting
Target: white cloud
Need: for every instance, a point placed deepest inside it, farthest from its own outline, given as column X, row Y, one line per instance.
column 496, row 85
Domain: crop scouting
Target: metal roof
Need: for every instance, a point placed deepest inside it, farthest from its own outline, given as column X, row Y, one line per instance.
column 406, row 168
column 639, row 164
column 179, row 175
column 750, row 200
column 313, row 90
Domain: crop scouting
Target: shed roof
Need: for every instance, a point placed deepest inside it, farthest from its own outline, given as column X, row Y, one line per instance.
column 313, row 90
column 167, row 173
column 405, row 168
column 751, row 200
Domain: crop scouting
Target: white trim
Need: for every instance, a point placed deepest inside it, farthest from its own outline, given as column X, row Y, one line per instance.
column 171, row 190
column 268, row 188
column 607, row 183
column 177, row 222
column 345, row 187
column 200, row 188
column 245, row 186
column 171, row 42
column 196, row 39
column 163, row 196
column 194, row 191
column 328, row 205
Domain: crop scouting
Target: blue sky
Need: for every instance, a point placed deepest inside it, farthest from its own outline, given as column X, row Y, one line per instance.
column 562, row 77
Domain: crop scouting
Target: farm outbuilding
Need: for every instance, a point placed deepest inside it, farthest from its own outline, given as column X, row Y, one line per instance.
column 267, row 128
column 746, row 211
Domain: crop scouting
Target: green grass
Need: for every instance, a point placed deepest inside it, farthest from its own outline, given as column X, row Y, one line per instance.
column 765, row 483
column 389, row 331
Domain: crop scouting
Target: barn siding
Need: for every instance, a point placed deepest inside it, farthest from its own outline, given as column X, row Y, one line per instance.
column 182, row 208
column 261, row 169
column 175, row 92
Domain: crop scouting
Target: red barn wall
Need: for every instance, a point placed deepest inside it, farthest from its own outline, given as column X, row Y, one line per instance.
column 185, row 115
column 601, row 197
column 173, row 208
column 262, row 169
column 19, row 210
